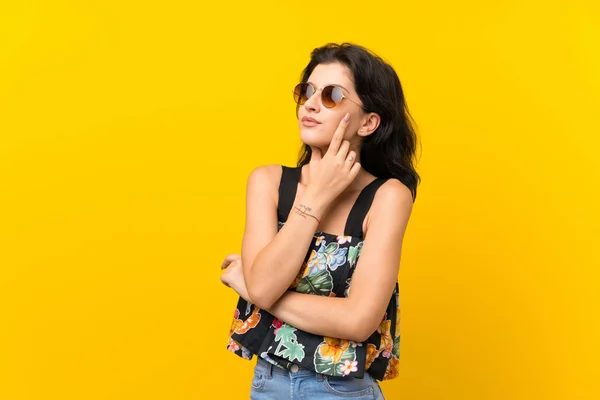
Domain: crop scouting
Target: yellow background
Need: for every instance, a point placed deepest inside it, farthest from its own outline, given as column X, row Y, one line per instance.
column 127, row 132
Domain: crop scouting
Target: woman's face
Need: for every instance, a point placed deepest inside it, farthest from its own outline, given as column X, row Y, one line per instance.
column 319, row 133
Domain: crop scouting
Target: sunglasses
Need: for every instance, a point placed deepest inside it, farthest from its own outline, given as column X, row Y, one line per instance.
column 331, row 95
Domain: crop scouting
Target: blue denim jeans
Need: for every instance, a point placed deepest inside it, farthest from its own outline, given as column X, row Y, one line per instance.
column 273, row 383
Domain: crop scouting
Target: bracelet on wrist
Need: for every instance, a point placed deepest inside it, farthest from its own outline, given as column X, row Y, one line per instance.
column 305, row 213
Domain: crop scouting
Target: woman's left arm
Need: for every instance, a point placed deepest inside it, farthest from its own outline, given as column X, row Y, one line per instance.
column 357, row 316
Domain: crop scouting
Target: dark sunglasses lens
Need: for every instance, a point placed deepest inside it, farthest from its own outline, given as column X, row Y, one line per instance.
column 332, row 96
column 298, row 94
column 302, row 92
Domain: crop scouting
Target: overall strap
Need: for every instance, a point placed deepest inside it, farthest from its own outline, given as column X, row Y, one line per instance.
column 360, row 208
column 287, row 191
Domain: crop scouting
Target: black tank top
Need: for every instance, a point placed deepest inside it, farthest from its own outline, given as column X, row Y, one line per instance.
column 326, row 271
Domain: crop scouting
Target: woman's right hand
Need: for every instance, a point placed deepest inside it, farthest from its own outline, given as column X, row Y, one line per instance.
column 331, row 173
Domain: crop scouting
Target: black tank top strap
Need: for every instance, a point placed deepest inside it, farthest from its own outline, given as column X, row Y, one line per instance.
column 287, row 191
column 360, row 208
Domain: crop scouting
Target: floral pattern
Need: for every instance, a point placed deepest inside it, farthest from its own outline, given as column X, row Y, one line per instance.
column 327, row 272
column 372, row 352
column 331, row 357
column 334, row 348
column 344, row 239
column 240, row 326
column 349, row 367
column 327, row 257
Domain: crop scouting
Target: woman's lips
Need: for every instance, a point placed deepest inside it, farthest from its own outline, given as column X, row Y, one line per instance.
column 309, row 122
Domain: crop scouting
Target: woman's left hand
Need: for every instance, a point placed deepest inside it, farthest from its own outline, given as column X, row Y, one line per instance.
column 233, row 275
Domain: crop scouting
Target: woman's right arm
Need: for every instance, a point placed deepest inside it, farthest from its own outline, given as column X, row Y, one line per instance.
column 271, row 260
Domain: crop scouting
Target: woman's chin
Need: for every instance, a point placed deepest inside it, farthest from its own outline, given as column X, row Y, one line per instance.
column 313, row 138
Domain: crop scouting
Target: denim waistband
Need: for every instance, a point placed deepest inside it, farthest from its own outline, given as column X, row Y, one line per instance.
column 271, row 369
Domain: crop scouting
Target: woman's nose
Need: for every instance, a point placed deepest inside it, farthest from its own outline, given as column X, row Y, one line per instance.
column 313, row 103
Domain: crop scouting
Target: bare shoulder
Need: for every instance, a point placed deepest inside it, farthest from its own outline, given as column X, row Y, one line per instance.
column 265, row 179
column 269, row 173
column 393, row 192
column 392, row 203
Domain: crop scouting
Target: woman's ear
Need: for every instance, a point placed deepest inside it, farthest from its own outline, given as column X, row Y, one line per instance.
column 370, row 123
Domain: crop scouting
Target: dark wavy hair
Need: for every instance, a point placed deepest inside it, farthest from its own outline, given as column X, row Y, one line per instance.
column 389, row 152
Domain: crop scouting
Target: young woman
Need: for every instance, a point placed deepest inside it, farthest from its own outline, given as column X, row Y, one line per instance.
column 317, row 277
